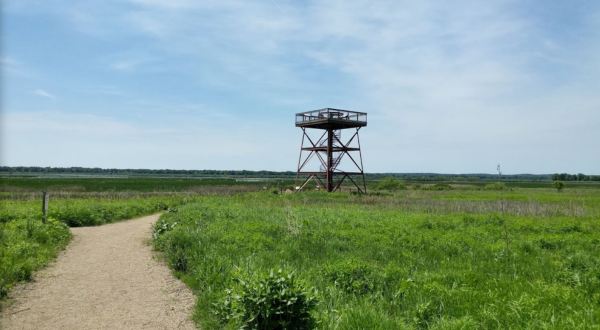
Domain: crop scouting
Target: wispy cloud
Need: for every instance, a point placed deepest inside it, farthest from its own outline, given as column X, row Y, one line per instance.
column 126, row 65
column 11, row 66
column 44, row 93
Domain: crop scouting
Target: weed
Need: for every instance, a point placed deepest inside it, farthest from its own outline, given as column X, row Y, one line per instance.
column 274, row 301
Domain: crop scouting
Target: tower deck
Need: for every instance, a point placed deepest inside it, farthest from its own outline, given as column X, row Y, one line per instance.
column 330, row 118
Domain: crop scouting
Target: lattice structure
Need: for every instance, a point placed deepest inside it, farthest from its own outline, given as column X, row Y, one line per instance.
column 338, row 159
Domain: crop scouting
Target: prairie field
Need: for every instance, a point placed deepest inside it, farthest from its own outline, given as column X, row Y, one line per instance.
column 439, row 256
column 27, row 244
column 523, row 258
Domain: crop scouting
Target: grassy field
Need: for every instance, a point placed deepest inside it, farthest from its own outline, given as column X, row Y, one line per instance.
column 116, row 184
column 26, row 244
column 427, row 255
column 521, row 258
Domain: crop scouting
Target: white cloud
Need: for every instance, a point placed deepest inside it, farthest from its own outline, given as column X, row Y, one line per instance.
column 126, row 65
column 44, row 93
column 13, row 67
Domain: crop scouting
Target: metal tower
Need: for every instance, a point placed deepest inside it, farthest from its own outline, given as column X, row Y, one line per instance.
column 337, row 160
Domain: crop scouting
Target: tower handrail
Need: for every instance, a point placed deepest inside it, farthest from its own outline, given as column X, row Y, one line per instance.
column 330, row 113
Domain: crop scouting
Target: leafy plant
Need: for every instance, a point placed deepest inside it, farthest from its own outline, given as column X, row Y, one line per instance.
column 352, row 277
column 162, row 226
column 559, row 185
column 424, row 314
column 275, row 301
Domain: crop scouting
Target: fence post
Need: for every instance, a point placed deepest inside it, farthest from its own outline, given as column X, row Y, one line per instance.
column 45, row 200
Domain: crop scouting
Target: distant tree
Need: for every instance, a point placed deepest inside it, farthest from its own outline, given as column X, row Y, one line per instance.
column 559, row 185
column 390, row 183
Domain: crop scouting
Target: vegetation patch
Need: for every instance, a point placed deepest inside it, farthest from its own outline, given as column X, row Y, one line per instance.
column 378, row 263
column 274, row 301
column 496, row 186
column 390, row 184
column 27, row 244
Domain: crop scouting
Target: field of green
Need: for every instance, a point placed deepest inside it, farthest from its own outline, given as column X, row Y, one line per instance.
column 27, row 244
column 440, row 259
column 407, row 255
column 116, row 184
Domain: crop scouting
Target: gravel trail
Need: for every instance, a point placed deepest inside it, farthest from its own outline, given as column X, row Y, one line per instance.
column 107, row 278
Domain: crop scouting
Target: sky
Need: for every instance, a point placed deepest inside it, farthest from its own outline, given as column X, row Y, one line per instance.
column 449, row 86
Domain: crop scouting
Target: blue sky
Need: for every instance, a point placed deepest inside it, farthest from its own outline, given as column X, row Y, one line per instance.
column 452, row 87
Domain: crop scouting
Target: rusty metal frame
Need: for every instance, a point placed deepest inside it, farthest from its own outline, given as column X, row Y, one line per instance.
column 328, row 162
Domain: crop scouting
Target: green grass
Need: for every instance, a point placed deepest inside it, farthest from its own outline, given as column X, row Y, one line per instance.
column 103, row 184
column 27, row 244
column 523, row 258
column 90, row 211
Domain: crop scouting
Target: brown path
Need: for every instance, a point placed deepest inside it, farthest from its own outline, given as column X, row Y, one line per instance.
column 107, row 278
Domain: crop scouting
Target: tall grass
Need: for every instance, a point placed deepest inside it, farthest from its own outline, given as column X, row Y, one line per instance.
column 91, row 211
column 114, row 184
column 377, row 262
column 26, row 244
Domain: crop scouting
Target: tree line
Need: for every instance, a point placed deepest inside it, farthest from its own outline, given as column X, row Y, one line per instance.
column 574, row 177
column 473, row 177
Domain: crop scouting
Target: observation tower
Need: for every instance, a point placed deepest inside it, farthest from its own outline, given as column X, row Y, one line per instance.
column 336, row 159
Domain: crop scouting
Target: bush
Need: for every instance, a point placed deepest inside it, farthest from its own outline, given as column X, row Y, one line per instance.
column 390, row 183
column 272, row 302
column 352, row 277
column 438, row 186
column 559, row 185
column 496, row 186
column 162, row 226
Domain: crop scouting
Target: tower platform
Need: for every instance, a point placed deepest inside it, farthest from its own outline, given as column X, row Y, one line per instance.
column 330, row 118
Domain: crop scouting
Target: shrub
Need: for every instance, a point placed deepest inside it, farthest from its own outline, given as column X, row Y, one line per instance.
column 559, row 185
column 390, row 183
column 162, row 226
column 275, row 301
column 438, row 186
column 352, row 277
column 496, row 186
column 424, row 315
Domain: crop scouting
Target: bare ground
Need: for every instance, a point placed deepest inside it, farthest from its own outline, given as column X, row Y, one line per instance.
column 107, row 278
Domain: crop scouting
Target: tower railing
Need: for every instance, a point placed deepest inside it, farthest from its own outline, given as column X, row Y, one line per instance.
column 330, row 114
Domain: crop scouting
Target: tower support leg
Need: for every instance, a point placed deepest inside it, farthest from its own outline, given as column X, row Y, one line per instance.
column 330, row 160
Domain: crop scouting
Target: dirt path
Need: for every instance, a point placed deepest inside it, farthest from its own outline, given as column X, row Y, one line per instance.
column 107, row 278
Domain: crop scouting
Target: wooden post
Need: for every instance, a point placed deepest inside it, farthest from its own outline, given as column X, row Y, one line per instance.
column 45, row 200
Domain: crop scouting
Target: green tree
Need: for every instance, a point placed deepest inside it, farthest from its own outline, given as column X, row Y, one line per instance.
column 559, row 185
